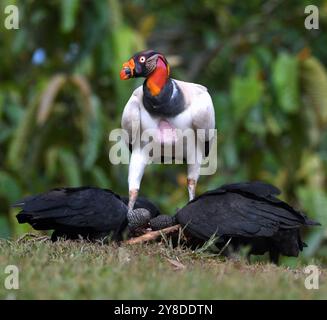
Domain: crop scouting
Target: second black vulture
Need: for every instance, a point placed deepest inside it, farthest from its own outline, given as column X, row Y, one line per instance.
column 88, row 212
column 247, row 213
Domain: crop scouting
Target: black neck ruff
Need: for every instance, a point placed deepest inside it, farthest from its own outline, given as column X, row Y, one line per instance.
column 168, row 103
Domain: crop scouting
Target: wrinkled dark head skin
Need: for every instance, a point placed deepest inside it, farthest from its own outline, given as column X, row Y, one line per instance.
column 144, row 203
column 142, row 64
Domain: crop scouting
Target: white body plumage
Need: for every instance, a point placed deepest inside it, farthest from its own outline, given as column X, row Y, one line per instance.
column 198, row 113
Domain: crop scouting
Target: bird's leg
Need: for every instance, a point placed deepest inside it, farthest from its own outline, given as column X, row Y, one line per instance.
column 193, row 173
column 132, row 198
column 131, row 214
column 191, row 185
column 137, row 218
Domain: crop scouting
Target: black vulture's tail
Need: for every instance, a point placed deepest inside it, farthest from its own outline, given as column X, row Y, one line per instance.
column 310, row 222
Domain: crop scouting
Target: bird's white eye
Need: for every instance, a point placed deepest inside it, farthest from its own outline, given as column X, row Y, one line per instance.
column 142, row 59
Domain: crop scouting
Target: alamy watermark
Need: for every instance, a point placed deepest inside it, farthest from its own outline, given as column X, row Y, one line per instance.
column 312, row 280
column 11, row 281
column 312, row 20
column 11, row 21
column 193, row 147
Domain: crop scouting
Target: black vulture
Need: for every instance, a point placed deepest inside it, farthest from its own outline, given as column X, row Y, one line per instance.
column 248, row 214
column 88, row 212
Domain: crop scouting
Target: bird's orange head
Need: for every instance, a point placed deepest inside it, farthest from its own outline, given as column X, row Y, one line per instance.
column 143, row 64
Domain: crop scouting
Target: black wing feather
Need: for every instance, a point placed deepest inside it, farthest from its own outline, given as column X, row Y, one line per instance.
column 73, row 210
column 242, row 209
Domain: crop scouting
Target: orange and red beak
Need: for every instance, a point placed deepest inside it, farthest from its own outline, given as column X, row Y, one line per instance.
column 128, row 70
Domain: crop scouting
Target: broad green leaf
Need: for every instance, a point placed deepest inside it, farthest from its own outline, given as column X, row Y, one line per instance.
column 285, row 78
column 314, row 82
column 69, row 9
column 94, row 134
column 245, row 94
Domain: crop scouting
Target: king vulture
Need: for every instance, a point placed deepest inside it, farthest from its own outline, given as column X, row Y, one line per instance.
column 165, row 107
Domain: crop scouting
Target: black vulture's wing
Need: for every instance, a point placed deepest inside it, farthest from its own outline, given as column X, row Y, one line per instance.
column 224, row 214
column 258, row 188
column 263, row 194
column 70, row 209
column 254, row 188
column 236, row 213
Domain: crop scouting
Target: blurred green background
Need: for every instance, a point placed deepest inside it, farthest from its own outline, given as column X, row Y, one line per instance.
column 60, row 95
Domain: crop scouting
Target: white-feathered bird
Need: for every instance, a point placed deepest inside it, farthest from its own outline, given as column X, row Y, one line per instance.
column 163, row 105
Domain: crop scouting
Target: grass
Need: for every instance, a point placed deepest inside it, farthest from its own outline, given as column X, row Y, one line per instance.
column 81, row 270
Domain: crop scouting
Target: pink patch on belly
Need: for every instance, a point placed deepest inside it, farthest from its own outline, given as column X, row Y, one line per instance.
column 167, row 133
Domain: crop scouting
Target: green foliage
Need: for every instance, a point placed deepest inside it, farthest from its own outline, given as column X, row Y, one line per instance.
column 315, row 87
column 245, row 93
column 93, row 139
column 314, row 200
column 9, row 187
column 70, row 167
column 285, row 77
column 266, row 76
column 69, row 10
